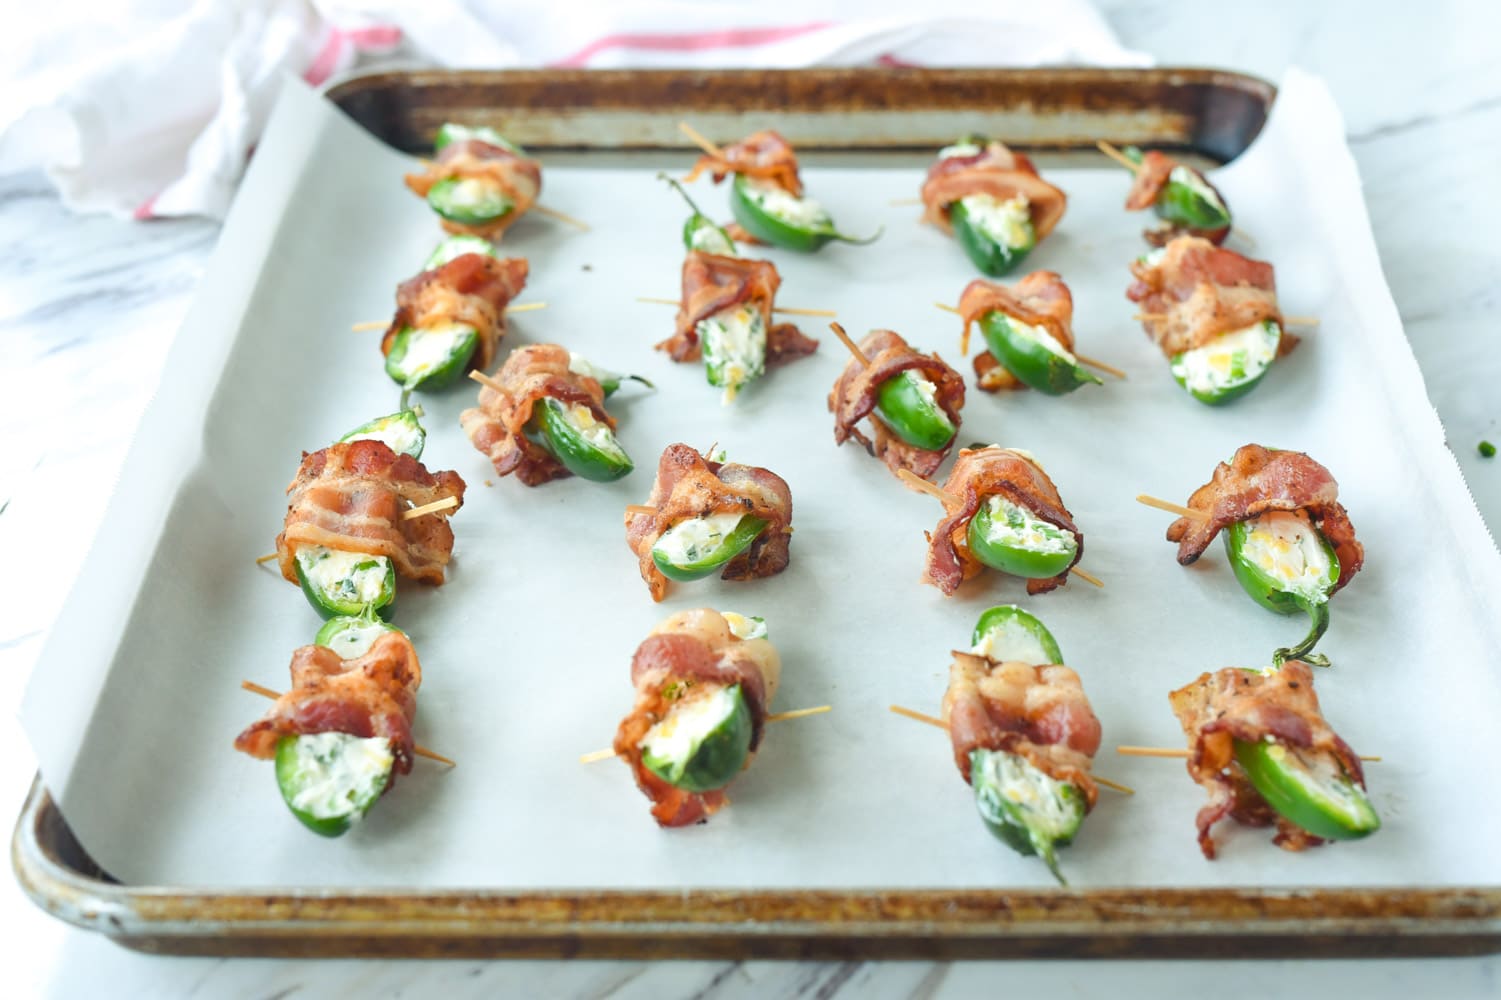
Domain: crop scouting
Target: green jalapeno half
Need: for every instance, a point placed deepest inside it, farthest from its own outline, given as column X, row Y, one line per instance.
column 346, row 583
column 400, row 432
column 469, row 201
column 703, row 742
column 997, row 235
column 458, row 246
column 734, row 348
column 1034, row 355
column 1005, row 536
column 1186, row 199
column 330, row 780
column 1009, row 633
column 608, row 381
column 586, row 447
column 1025, row 809
column 774, row 215
column 1230, row 365
column 1286, row 566
column 1312, row 791
column 699, row 546
column 431, row 357
column 907, row 403
column 700, row 232
column 453, row 132
column 352, row 636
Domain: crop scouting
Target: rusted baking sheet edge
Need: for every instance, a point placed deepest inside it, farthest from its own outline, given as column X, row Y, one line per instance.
column 747, row 924
column 1212, row 112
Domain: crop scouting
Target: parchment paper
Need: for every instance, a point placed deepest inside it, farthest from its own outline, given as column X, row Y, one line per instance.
column 526, row 650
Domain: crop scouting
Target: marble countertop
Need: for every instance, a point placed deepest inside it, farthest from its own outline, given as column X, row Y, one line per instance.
column 88, row 307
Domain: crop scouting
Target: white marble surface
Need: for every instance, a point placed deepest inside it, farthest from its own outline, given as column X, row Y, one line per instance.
column 88, row 307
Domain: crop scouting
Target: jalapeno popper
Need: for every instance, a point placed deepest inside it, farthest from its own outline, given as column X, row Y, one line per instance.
column 766, row 195
column 543, row 420
column 704, row 684
column 345, row 540
column 725, row 319
column 1260, row 747
column 1023, row 733
column 912, row 400
column 401, row 431
column 343, row 732
column 992, row 201
column 709, row 517
column 1028, row 329
column 477, row 182
column 1213, row 314
column 1181, row 196
column 1290, row 541
column 450, row 319
column 1008, row 517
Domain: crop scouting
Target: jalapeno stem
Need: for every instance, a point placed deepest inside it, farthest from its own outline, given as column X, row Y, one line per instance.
column 1318, row 624
column 1116, row 155
column 418, row 749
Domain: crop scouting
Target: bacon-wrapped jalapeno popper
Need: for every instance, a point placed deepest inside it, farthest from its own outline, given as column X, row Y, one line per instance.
column 1023, row 733
column 450, row 318
column 542, row 419
column 1213, row 313
column 1028, row 329
column 345, row 539
column 478, row 182
column 993, row 202
column 1182, row 197
column 704, row 686
column 1259, row 745
column 766, row 195
column 1289, row 540
column 710, row 516
column 344, row 731
column 1003, row 513
column 725, row 319
column 912, row 400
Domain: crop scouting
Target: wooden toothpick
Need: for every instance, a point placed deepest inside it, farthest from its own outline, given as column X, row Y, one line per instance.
column 1091, row 362
column 844, row 339
column 782, row 310
column 1086, row 577
column 262, row 560
column 417, row 748
column 430, row 508
column 595, row 756
column 1171, row 508
column 1117, row 156
column 633, row 509
column 1175, row 754
column 920, row 484
column 700, row 141
column 486, row 380
column 930, row 720
column 553, row 213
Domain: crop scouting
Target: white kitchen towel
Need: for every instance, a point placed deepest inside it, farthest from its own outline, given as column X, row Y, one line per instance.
column 152, row 107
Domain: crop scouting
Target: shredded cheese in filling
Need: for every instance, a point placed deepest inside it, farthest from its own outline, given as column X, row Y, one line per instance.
column 1014, row 526
column 429, row 347
column 1286, row 547
column 695, row 539
column 734, row 346
column 1229, row 360
column 1189, row 179
column 686, row 725
column 1049, row 811
column 777, row 201
column 340, row 773
column 1007, row 222
column 346, row 577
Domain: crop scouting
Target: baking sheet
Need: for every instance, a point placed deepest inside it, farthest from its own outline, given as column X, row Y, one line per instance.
column 527, row 648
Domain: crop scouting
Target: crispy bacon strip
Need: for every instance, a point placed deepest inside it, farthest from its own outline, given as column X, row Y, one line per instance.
column 372, row 695
column 1040, row 299
column 688, row 486
column 473, row 289
column 1257, row 480
column 1234, row 704
column 998, row 172
column 1039, row 713
column 855, row 395
column 1151, row 177
column 496, row 426
column 350, row 497
column 518, row 176
column 712, row 284
column 688, row 656
column 764, row 155
column 1198, row 291
column 977, row 475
